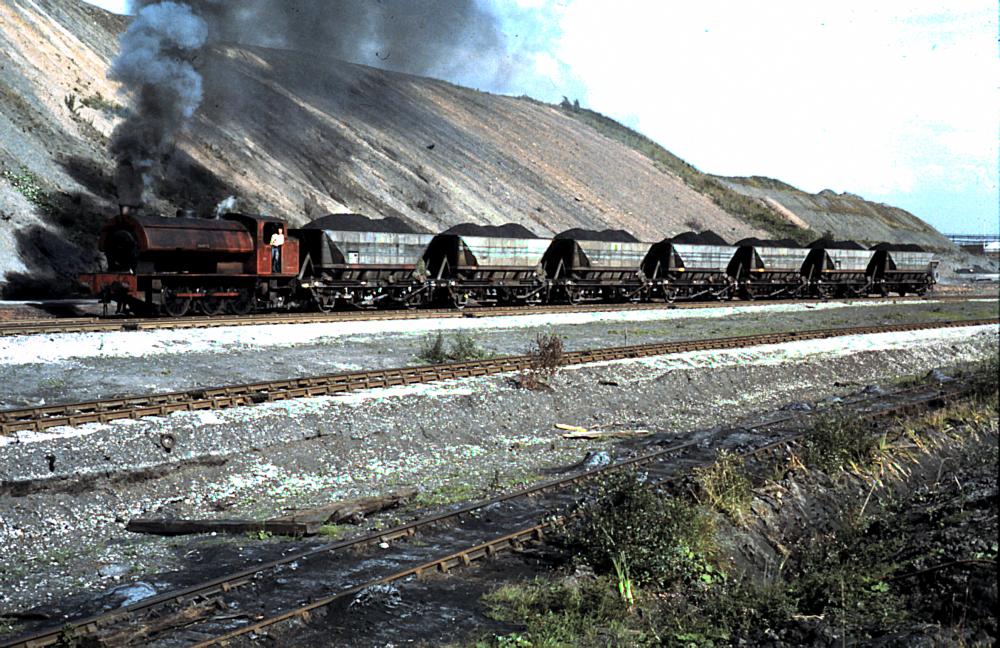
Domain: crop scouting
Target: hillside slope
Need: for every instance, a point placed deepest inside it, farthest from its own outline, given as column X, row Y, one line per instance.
column 847, row 215
column 308, row 136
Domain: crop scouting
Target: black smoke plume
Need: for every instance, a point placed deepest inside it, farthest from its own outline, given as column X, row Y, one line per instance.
column 458, row 40
column 154, row 66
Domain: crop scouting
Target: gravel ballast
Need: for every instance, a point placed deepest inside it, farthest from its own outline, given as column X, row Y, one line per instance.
column 62, row 528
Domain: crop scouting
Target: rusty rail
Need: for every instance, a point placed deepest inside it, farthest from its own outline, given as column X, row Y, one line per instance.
column 104, row 411
column 198, row 594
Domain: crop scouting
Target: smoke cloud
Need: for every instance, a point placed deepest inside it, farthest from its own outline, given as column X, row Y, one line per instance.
column 458, row 40
column 442, row 38
column 154, row 66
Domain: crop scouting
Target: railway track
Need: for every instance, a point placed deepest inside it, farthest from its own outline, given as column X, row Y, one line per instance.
column 96, row 324
column 298, row 585
column 104, row 411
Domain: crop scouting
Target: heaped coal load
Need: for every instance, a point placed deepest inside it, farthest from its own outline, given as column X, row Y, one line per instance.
column 708, row 237
column 359, row 223
column 777, row 243
column 898, row 247
column 608, row 235
column 830, row 244
column 507, row 230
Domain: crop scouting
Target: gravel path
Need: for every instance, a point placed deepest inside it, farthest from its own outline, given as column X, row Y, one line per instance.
column 453, row 440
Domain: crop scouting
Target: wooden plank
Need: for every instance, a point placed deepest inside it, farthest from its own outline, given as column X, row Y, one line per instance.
column 169, row 526
column 346, row 511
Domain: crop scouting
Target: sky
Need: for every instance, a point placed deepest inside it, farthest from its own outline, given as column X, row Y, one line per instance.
column 894, row 100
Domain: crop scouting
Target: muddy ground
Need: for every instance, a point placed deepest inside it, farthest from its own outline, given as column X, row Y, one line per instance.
column 455, row 442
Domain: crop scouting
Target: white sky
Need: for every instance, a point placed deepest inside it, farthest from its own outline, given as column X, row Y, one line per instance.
column 895, row 100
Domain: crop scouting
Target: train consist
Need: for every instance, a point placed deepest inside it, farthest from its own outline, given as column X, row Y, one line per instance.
column 179, row 265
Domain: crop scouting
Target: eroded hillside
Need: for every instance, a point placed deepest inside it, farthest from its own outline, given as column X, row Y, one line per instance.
column 308, row 136
column 847, row 215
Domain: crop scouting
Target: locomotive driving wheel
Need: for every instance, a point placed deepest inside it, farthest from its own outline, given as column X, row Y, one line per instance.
column 211, row 305
column 244, row 303
column 173, row 305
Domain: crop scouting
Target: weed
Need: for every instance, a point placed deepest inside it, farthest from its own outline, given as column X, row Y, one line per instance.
column 97, row 101
column 726, row 485
column 837, row 441
column 663, row 540
column 562, row 613
column 333, row 531
column 463, row 347
column 446, row 494
column 27, row 184
column 71, row 104
column 984, row 379
column 546, row 358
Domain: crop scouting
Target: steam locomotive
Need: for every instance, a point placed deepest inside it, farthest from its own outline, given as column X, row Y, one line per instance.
column 174, row 266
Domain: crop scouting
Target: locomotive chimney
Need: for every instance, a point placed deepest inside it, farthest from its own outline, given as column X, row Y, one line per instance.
column 129, row 187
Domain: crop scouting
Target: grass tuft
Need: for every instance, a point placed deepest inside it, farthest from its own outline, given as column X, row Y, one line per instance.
column 463, row 347
column 726, row 485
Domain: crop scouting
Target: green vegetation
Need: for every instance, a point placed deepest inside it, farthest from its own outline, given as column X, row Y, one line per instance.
column 726, row 485
column 546, row 359
column 837, row 441
column 662, row 540
column 654, row 571
column 97, row 101
column 731, row 201
column 27, row 184
column 463, row 347
column 334, row 531
column 451, row 492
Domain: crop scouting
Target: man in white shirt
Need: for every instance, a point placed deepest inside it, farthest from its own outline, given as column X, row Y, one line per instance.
column 277, row 240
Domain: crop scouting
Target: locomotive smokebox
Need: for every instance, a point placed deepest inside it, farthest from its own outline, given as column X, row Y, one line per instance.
column 128, row 182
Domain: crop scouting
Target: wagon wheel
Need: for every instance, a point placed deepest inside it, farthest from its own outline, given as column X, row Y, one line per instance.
column 748, row 293
column 324, row 305
column 212, row 306
column 669, row 295
column 826, row 291
column 574, row 295
column 459, row 300
column 244, row 304
column 173, row 305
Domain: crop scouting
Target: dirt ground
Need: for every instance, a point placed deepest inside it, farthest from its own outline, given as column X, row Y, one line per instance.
column 455, row 442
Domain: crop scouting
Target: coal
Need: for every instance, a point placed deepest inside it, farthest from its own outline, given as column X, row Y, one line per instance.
column 359, row 223
column 898, row 247
column 708, row 237
column 756, row 242
column 507, row 230
column 830, row 244
column 608, row 235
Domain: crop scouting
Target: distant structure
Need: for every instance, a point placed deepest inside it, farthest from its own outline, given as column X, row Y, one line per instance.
column 987, row 245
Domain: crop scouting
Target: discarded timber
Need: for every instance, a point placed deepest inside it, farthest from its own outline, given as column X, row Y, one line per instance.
column 347, row 511
column 169, row 526
column 300, row 523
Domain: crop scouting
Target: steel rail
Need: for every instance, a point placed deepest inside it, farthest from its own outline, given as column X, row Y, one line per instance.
column 104, row 411
column 117, row 324
column 95, row 623
column 511, row 541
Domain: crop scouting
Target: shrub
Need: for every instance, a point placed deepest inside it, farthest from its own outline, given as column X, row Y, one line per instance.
column 463, row 347
column 836, row 441
column 546, row 358
column 663, row 540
